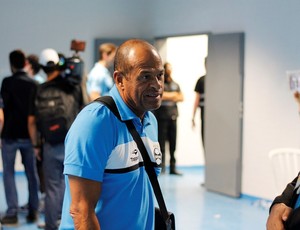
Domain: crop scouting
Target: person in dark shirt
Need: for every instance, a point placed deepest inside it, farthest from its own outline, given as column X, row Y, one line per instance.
column 166, row 117
column 284, row 212
column 199, row 103
column 16, row 91
column 285, row 208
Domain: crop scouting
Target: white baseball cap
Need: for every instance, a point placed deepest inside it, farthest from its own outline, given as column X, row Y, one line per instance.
column 49, row 57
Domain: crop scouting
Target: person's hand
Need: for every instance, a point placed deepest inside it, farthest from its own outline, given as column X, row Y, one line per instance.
column 278, row 215
column 37, row 153
column 193, row 123
column 297, row 97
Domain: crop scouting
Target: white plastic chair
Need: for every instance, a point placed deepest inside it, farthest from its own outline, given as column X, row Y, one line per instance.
column 285, row 165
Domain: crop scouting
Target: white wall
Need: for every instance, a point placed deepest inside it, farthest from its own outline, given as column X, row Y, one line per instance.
column 33, row 25
column 271, row 47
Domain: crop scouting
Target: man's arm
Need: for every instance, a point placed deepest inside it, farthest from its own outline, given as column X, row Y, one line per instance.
column 281, row 207
column 33, row 133
column 278, row 215
column 195, row 107
column 1, row 123
column 172, row 96
column 84, row 195
column 1, row 120
column 32, row 129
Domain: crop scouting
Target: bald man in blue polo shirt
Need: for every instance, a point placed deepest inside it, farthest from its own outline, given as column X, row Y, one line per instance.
column 107, row 186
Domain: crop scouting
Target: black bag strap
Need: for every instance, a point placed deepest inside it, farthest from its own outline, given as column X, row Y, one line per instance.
column 110, row 103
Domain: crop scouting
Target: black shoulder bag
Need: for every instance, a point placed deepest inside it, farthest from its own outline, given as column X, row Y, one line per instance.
column 164, row 220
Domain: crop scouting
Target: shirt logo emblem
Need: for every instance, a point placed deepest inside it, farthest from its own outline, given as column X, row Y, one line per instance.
column 134, row 155
column 157, row 155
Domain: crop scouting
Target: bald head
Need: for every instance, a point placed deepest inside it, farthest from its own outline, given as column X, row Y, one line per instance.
column 128, row 51
column 139, row 76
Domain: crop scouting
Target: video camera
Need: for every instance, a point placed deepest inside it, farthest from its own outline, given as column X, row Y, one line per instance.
column 74, row 66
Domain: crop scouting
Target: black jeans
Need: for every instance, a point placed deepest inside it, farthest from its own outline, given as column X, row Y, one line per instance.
column 167, row 132
column 202, row 124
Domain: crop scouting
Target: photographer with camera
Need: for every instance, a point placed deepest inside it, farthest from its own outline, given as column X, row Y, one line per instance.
column 53, row 109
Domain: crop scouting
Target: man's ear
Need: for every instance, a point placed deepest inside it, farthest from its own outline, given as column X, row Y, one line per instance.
column 118, row 78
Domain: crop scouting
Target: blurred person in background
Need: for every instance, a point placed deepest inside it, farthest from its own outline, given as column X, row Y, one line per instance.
column 16, row 91
column 166, row 117
column 33, row 68
column 99, row 79
column 53, row 109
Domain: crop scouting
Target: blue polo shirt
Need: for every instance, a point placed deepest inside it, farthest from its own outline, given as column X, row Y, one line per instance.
column 99, row 147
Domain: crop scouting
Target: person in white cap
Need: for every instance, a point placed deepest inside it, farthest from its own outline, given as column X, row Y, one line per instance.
column 54, row 107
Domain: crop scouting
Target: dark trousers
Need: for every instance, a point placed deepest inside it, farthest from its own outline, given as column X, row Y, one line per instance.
column 202, row 124
column 9, row 151
column 53, row 167
column 167, row 132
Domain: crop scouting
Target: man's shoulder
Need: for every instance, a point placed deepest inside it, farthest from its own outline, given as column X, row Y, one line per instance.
column 99, row 66
column 200, row 80
column 175, row 83
column 97, row 70
column 6, row 79
column 56, row 82
column 45, row 84
column 49, row 86
column 20, row 78
column 59, row 86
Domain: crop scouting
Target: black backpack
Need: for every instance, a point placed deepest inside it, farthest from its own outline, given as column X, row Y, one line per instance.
column 56, row 108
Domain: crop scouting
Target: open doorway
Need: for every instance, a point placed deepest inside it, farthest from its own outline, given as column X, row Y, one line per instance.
column 186, row 54
column 223, row 104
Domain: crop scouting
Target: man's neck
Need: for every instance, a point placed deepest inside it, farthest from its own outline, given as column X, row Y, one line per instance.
column 53, row 75
column 14, row 70
column 103, row 62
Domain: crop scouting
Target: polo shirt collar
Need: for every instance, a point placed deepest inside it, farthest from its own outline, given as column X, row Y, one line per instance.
column 125, row 112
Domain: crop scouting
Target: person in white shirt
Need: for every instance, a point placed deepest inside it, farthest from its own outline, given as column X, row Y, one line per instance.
column 33, row 68
column 99, row 79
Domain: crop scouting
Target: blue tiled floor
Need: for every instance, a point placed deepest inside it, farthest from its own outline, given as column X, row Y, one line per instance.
column 194, row 207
